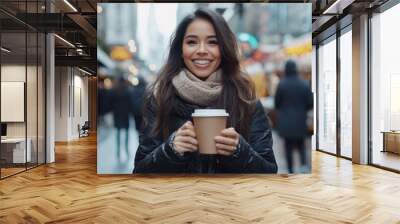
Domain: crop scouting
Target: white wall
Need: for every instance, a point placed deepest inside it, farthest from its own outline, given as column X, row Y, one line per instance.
column 14, row 73
column 71, row 94
column 13, row 101
column 62, row 81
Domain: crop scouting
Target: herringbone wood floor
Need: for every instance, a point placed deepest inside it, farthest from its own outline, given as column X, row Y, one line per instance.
column 70, row 191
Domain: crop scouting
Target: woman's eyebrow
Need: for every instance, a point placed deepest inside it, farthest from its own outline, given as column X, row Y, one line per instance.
column 195, row 36
column 190, row 36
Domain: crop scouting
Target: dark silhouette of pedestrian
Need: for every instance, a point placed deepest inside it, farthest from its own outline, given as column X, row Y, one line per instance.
column 105, row 102
column 293, row 99
column 122, row 109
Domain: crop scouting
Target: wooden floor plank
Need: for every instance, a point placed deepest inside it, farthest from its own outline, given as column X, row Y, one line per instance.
column 70, row 191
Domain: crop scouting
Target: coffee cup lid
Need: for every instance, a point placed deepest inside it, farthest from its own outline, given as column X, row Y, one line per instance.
column 210, row 113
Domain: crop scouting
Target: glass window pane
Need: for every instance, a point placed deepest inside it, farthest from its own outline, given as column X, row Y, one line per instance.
column 327, row 96
column 22, row 73
column 346, row 94
column 13, row 87
column 31, row 96
column 385, row 86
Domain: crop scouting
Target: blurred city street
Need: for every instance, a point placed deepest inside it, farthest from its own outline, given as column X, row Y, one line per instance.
column 107, row 159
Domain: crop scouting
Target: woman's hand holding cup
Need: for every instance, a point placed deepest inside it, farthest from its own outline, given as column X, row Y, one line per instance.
column 185, row 139
column 227, row 142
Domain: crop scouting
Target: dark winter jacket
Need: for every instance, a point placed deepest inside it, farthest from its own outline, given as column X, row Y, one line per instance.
column 156, row 156
column 122, row 107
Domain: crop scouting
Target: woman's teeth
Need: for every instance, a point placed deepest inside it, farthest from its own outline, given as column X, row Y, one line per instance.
column 202, row 62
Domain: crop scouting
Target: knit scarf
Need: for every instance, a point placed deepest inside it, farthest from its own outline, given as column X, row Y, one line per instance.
column 196, row 91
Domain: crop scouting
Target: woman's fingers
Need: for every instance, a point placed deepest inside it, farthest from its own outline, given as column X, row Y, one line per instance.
column 185, row 146
column 187, row 132
column 187, row 125
column 186, row 139
column 226, row 141
column 226, row 144
column 230, row 133
column 225, row 147
column 225, row 150
column 187, row 129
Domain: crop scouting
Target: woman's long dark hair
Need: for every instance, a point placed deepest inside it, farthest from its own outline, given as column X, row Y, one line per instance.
column 238, row 94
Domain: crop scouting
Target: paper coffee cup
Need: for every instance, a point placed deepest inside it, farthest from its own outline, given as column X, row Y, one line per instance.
column 208, row 123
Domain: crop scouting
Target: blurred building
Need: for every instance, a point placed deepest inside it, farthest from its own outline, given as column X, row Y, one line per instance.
column 152, row 51
column 272, row 23
column 117, row 23
column 183, row 10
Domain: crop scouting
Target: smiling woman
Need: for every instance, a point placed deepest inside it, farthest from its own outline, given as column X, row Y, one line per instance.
column 202, row 71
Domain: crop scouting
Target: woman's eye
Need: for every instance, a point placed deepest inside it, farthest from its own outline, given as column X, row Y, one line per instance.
column 191, row 42
column 213, row 42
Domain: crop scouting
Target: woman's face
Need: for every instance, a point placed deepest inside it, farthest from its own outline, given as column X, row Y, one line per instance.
column 200, row 49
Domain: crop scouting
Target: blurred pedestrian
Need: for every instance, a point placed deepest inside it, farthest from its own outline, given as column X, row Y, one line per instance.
column 293, row 99
column 122, row 109
column 202, row 71
column 105, row 96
